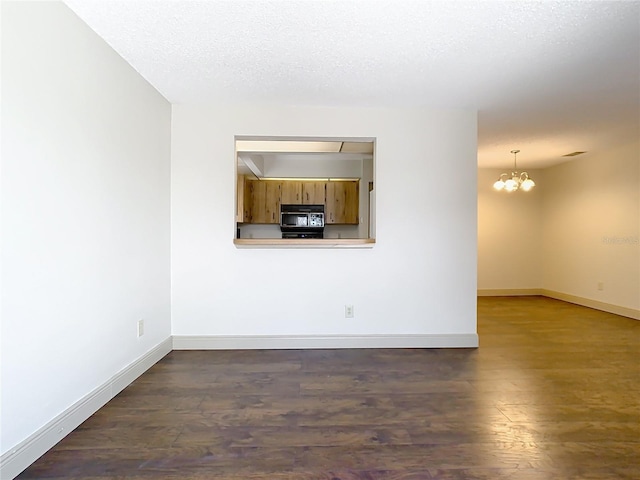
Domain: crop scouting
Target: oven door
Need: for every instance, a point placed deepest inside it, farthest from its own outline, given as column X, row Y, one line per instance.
column 294, row 220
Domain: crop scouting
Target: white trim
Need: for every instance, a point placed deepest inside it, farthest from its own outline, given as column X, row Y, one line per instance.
column 509, row 292
column 587, row 302
column 281, row 342
column 29, row 450
column 565, row 297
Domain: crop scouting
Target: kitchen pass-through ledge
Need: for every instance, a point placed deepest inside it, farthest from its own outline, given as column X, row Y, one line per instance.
column 304, row 242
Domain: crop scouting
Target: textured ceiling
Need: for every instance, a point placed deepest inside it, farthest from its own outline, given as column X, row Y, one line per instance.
column 547, row 77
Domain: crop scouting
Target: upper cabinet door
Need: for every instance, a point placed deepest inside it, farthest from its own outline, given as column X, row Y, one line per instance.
column 262, row 201
column 313, row 193
column 272, row 201
column 240, row 212
column 342, row 203
column 254, row 204
column 291, row 192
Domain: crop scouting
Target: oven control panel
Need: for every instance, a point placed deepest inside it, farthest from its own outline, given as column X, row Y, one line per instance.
column 316, row 220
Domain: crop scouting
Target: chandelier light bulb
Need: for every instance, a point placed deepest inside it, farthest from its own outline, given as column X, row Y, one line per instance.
column 527, row 185
column 516, row 181
column 511, row 185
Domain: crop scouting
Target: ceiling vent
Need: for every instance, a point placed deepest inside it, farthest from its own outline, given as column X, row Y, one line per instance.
column 573, row 154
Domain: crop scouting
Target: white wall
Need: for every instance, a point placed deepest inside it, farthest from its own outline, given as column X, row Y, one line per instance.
column 420, row 278
column 579, row 227
column 85, row 214
column 509, row 234
column 591, row 209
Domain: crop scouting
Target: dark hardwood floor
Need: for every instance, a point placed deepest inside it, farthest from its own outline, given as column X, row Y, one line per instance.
column 553, row 392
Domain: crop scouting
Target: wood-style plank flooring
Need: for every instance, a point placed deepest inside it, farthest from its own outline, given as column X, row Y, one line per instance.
column 553, row 392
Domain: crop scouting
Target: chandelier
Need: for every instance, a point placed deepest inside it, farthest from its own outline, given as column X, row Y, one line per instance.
column 516, row 181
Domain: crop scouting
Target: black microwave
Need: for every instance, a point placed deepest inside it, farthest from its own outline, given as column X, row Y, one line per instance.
column 302, row 216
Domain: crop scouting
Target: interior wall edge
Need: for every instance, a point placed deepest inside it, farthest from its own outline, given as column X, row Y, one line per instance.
column 18, row 458
column 565, row 297
column 284, row 342
column 587, row 302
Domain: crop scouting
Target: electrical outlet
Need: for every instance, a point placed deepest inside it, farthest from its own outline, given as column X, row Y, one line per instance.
column 600, row 286
column 140, row 327
column 348, row 311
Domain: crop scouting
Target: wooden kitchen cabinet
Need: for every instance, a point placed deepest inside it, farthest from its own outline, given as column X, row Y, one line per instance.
column 262, row 201
column 246, row 201
column 291, row 192
column 254, row 201
column 302, row 192
column 240, row 199
column 342, row 203
column 314, row 193
column 273, row 202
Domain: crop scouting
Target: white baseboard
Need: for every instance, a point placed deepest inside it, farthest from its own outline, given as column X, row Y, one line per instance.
column 28, row 451
column 282, row 342
column 565, row 297
column 587, row 302
column 509, row 292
